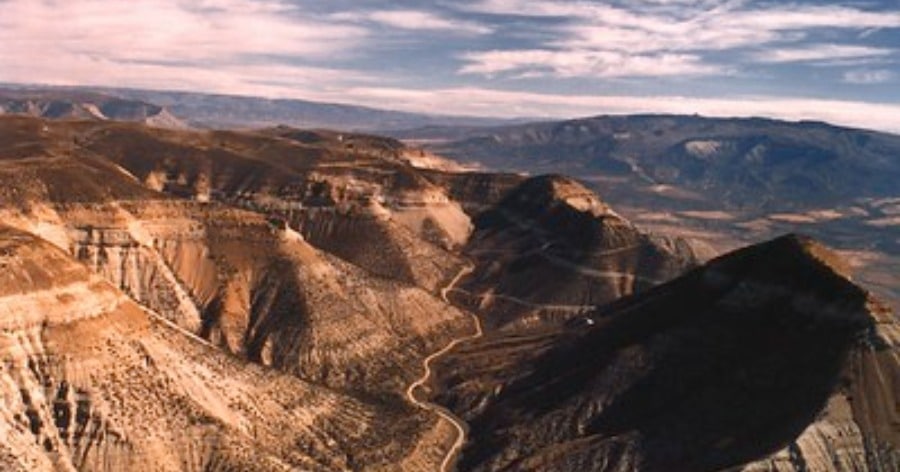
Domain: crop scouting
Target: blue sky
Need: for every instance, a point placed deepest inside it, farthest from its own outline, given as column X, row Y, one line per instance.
column 838, row 61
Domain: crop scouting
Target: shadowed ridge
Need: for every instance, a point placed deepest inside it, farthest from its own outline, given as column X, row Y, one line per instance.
column 551, row 249
column 723, row 366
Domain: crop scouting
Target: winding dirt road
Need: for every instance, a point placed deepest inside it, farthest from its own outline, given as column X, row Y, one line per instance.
column 457, row 423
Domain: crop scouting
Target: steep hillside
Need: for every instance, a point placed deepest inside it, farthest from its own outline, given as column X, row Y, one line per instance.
column 240, row 279
column 551, row 249
column 351, row 195
column 244, row 282
column 92, row 381
column 770, row 348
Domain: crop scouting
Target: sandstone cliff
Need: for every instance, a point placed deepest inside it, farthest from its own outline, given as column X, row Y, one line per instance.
column 93, row 381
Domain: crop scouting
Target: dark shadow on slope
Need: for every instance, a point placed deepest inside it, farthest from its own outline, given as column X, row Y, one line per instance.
column 722, row 366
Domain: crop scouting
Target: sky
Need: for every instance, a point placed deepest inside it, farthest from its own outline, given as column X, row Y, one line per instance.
column 832, row 61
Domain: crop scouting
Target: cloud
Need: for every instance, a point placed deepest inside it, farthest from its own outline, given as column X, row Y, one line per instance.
column 864, row 77
column 819, row 52
column 581, row 63
column 729, row 14
column 210, row 44
column 681, row 33
column 102, row 40
column 423, row 20
column 675, row 37
column 156, row 29
column 266, row 79
column 794, row 17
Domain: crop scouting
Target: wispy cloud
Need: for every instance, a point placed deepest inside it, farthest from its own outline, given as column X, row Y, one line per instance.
column 266, row 79
column 868, row 76
column 210, row 44
column 680, row 33
column 581, row 63
column 416, row 20
column 155, row 29
column 645, row 15
column 820, row 52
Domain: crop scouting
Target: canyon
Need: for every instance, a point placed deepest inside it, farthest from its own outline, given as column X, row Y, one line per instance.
column 291, row 299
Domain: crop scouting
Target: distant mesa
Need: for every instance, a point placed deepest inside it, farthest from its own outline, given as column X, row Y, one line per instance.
column 73, row 104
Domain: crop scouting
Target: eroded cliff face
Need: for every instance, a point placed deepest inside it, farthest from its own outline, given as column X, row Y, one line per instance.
column 374, row 239
column 257, row 289
column 353, row 196
column 247, row 284
column 92, row 381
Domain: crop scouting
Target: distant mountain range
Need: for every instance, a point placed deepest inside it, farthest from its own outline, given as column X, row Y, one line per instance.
column 83, row 104
column 202, row 110
column 742, row 162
